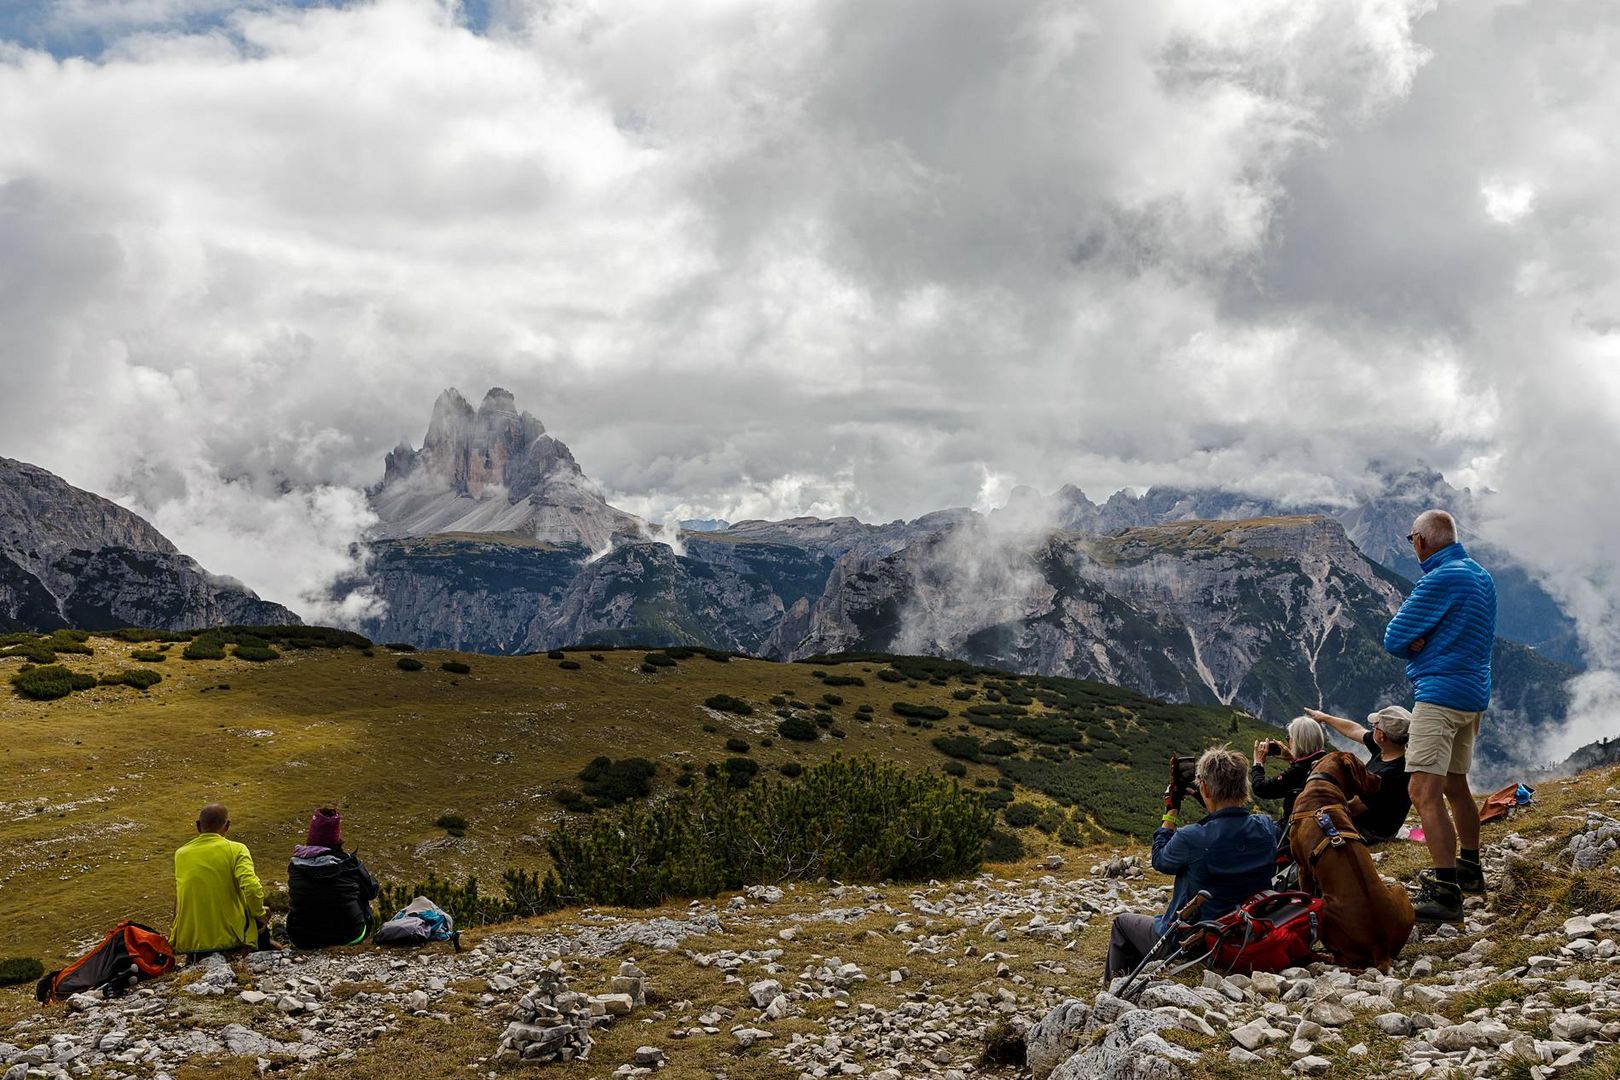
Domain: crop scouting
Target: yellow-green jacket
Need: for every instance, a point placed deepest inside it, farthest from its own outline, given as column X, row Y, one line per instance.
column 217, row 896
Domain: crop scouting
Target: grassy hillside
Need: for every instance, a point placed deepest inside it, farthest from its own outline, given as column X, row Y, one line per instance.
column 100, row 786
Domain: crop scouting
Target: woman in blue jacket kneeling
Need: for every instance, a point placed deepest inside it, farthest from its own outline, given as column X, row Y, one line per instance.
column 1232, row 853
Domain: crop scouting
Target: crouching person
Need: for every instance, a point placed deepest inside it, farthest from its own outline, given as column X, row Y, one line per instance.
column 1231, row 853
column 329, row 890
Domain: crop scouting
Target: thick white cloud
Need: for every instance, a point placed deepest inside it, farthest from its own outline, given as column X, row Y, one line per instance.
column 755, row 259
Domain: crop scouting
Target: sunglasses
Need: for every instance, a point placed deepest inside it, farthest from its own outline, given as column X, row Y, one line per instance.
column 1411, row 537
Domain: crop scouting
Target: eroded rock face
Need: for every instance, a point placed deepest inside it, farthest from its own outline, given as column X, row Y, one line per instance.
column 493, row 470
column 71, row 558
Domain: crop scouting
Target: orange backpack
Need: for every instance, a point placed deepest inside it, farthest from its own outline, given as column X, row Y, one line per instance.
column 129, row 953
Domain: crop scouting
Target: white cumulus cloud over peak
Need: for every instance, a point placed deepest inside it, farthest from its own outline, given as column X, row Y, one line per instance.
column 765, row 258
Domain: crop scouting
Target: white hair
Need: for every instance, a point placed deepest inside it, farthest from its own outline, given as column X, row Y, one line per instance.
column 1438, row 528
column 1305, row 736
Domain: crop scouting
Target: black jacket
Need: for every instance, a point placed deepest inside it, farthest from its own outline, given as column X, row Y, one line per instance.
column 1287, row 784
column 330, row 894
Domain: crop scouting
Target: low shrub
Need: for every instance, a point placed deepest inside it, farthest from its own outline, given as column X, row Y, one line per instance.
column 569, row 665
column 456, row 667
column 148, row 656
column 790, row 769
column 737, row 746
column 205, row 647
column 20, row 969
column 556, row 654
column 524, row 894
column 400, row 646
column 799, row 729
column 409, row 663
column 255, row 650
column 739, row 772
column 573, row 799
column 659, row 659
column 891, row 676
column 864, row 708
column 1020, row 814
column 648, row 669
column 831, row 699
column 612, row 782
column 50, row 682
column 598, row 657
column 454, row 824
column 844, row 680
column 857, row 821
column 1001, row 846
column 727, row 703
column 139, row 678
column 920, row 712
column 955, row 768
column 778, row 700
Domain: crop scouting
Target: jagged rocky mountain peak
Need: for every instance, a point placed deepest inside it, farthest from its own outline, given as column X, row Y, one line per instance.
column 492, row 470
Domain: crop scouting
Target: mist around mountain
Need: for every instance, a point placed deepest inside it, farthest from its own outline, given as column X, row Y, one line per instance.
column 493, row 540
column 69, row 558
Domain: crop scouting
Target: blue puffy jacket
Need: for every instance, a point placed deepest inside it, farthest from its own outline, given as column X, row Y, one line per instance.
column 1453, row 609
column 1232, row 853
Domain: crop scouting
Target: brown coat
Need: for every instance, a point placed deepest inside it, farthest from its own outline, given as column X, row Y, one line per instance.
column 1365, row 922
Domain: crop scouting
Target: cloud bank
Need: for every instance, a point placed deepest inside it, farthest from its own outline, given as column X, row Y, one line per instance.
column 758, row 259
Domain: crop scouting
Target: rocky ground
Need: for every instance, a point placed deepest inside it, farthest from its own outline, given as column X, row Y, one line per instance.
column 992, row 976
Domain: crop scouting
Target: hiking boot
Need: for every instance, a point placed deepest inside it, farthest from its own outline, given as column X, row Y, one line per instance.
column 1470, row 877
column 1437, row 901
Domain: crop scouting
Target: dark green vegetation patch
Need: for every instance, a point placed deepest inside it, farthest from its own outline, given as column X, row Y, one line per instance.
column 857, row 820
column 15, row 970
column 50, row 682
column 611, row 782
column 408, row 663
column 139, row 678
column 727, row 703
column 456, row 667
column 798, row 729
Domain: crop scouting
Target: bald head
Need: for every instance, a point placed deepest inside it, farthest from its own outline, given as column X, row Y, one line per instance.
column 1433, row 530
column 213, row 818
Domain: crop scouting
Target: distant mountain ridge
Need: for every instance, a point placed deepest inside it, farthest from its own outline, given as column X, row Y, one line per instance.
column 71, row 558
column 1203, row 597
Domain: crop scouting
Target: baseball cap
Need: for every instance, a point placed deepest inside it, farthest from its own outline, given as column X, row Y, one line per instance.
column 1396, row 720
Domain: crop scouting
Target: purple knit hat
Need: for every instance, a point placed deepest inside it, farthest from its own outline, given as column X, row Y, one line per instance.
column 325, row 828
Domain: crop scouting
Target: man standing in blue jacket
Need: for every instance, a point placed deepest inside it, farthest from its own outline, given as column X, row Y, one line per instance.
column 1445, row 632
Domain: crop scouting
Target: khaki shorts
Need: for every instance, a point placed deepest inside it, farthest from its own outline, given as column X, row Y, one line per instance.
column 1441, row 740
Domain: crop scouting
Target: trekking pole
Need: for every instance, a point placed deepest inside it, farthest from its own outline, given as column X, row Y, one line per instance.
column 1153, row 957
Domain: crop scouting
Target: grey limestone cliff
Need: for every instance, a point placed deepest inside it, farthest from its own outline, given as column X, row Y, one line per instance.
column 71, row 558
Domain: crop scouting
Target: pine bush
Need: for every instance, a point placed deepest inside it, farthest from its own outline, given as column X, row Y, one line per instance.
column 139, row 678
column 859, row 820
column 727, row 703
column 798, row 728
column 20, row 969
column 456, row 667
column 50, row 682
column 205, row 647
column 408, row 663
column 148, row 656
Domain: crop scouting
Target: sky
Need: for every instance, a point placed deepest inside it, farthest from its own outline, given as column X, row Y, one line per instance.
column 823, row 256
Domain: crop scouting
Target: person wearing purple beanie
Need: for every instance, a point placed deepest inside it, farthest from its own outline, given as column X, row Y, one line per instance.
column 329, row 890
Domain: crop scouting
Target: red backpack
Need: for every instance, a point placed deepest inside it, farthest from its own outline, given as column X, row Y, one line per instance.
column 129, row 953
column 1269, row 932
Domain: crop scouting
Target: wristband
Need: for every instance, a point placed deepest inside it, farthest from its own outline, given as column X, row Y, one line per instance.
column 1171, row 819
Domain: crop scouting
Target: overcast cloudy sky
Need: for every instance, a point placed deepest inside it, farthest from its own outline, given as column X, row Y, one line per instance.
column 823, row 256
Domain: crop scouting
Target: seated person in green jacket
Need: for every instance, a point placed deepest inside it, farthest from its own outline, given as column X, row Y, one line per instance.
column 218, row 901
column 1379, row 816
